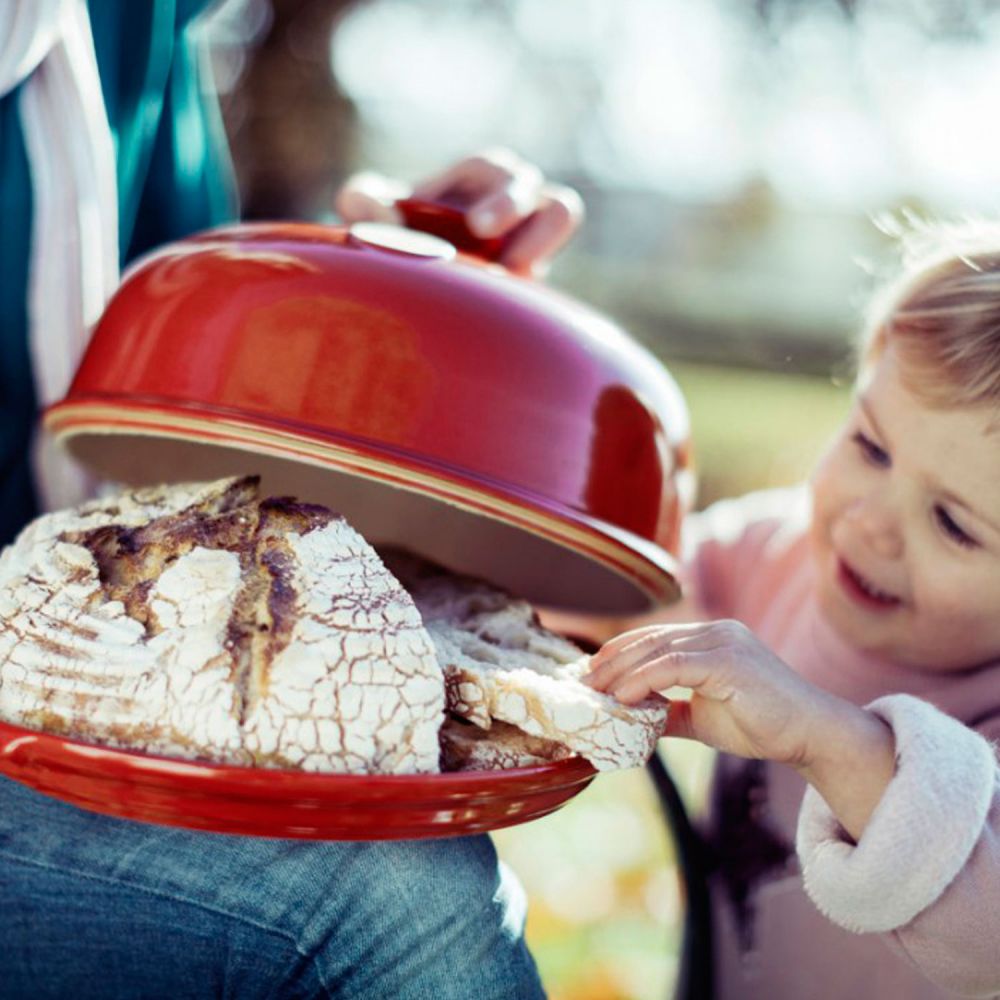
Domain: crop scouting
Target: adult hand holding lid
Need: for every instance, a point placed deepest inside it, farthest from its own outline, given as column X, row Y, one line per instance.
column 494, row 205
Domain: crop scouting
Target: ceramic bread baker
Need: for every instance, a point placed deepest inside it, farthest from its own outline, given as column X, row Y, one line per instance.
column 441, row 404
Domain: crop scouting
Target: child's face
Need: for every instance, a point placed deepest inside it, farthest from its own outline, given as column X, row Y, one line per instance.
column 906, row 527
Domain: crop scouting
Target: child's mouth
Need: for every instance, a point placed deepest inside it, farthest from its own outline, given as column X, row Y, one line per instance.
column 862, row 592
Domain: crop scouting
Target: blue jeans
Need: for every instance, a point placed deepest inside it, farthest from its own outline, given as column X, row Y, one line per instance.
column 92, row 906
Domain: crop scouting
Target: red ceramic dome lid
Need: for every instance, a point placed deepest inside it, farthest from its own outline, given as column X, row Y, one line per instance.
column 438, row 402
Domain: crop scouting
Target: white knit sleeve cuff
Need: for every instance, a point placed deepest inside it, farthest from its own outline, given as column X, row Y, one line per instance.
column 921, row 833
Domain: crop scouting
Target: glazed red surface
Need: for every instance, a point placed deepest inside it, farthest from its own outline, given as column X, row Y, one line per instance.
column 458, row 364
column 273, row 803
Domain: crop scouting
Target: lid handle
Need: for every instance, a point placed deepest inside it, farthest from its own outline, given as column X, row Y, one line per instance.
column 446, row 218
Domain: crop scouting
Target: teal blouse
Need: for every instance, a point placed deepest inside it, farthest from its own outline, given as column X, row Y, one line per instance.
column 174, row 177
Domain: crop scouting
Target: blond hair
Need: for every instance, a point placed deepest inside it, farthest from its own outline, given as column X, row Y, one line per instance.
column 942, row 313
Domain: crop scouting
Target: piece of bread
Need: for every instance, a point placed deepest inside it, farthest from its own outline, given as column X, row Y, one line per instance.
column 198, row 621
column 501, row 664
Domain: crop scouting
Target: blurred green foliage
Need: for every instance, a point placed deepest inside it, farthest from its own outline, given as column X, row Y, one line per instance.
column 754, row 428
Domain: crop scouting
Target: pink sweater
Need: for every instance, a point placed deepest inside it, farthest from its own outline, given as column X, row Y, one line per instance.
column 913, row 910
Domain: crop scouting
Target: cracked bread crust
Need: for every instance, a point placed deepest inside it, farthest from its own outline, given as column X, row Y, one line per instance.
column 197, row 621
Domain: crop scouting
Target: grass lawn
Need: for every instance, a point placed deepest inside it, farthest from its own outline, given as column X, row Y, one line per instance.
column 605, row 909
column 754, row 429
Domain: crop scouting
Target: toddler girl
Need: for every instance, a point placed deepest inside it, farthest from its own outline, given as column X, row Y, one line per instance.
column 846, row 645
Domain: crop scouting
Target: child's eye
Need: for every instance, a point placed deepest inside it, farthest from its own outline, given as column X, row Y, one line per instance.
column 951, row 529
column 871, row 451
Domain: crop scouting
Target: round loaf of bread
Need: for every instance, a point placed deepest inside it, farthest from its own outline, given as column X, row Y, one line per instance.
column 199, row 621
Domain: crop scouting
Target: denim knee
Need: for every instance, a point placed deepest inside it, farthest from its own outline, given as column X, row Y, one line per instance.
column 245, row 917
column 421, row 919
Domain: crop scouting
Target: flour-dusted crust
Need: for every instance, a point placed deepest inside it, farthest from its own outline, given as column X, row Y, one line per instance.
column 198, row 621
column 501, row 664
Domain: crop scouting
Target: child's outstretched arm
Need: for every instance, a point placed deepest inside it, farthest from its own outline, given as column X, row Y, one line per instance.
column 746, row 701
column 900, row 833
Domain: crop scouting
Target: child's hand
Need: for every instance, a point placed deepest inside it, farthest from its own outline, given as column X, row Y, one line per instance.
column 499, row 191
column 746, row 701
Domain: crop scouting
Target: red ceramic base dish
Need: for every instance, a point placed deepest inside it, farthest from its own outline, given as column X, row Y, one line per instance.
column 273, row 803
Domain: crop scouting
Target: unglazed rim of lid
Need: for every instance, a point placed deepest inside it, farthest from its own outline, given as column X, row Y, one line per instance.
column 144, row 445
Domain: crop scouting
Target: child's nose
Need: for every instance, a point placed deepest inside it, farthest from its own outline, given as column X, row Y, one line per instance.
column 878, row 522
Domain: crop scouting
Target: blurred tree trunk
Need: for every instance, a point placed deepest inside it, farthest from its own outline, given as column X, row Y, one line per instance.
column 292, row 129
